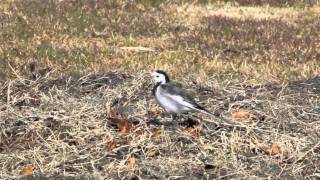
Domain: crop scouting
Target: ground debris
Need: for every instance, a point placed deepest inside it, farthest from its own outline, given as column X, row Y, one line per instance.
column 77, row 125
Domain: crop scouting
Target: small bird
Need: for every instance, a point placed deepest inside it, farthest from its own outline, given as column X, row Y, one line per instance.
column 172, row 97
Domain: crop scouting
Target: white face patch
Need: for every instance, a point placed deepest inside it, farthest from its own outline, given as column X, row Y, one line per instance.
column 159, row 78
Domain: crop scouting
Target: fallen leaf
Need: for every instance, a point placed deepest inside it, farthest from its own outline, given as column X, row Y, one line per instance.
column 269, row 150
column 240, row 115
column 123, row 124
column 124, row 130
column 27, row 171
column 275, row 149
column 154, row 112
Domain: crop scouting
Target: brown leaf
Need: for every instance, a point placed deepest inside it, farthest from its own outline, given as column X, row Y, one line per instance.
column 240, row 115
column 269, row 150
column 123, row 124
column 275, row 149
column 124, row 128
column 264, row 148
column 154, row 112
column 27, row 171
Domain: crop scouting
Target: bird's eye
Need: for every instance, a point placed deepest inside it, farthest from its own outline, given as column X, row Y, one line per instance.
column 157, row 76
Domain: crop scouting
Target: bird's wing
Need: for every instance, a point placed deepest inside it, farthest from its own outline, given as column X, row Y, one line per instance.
column 177, row 93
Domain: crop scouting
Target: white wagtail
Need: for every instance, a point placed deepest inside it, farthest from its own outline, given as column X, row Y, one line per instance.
column 172, row 97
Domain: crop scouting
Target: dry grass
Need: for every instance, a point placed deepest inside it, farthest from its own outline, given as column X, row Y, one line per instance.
column 67, row 64
column 60, row 127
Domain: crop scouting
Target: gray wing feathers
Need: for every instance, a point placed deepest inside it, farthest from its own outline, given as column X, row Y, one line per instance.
column 176, row 89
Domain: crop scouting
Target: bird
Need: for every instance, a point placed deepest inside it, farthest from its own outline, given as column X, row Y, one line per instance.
column 172, row 97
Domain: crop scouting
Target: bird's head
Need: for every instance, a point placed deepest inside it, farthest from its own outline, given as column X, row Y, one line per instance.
column 160, row 76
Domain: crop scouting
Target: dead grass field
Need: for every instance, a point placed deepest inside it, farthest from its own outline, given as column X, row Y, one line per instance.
column 67, row 67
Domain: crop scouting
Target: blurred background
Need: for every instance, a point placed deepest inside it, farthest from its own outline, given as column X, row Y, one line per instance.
column 259, row 41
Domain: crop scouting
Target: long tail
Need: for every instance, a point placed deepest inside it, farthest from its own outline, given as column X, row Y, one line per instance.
column 203, row 110
column 206, row 112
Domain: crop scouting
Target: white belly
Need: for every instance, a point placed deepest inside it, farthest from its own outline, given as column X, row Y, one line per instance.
column 170, row 104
